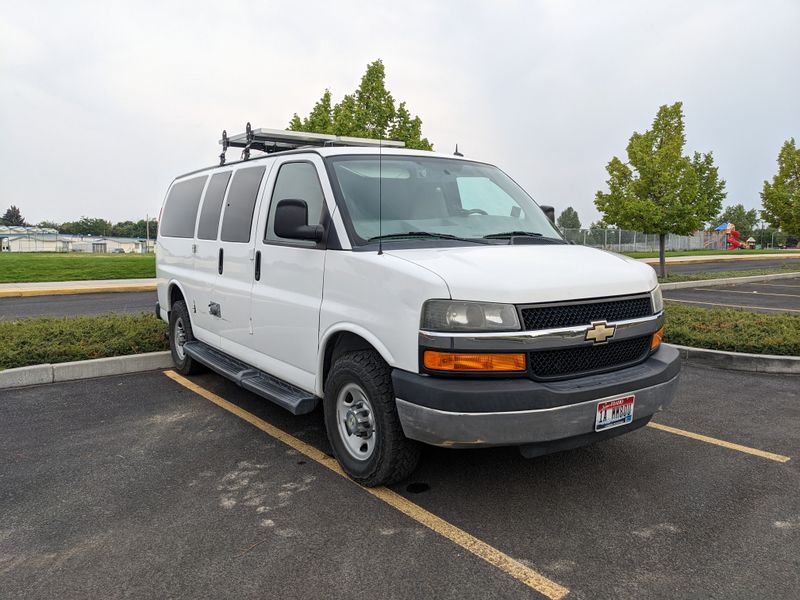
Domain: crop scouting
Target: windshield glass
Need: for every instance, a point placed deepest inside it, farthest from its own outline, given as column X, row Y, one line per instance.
column 434, row 196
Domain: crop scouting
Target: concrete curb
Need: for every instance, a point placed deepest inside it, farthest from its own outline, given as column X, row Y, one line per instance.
column 63, row 291
column 726, row 281
column 740, row 361
column 84, row 369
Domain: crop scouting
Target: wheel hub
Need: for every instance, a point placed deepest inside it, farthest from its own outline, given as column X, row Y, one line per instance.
column 355, row 421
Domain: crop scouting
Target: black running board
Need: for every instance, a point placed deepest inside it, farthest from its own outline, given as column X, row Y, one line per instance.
column 285, row 395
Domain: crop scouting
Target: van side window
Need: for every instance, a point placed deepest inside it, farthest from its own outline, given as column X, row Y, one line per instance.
column 238, row 218
column 212, row 206
column 481, row 193
column 296, row 181
column 180, row 209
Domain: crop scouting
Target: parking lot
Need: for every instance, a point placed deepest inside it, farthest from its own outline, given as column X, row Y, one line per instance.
column 157, row 486
column 773, row 296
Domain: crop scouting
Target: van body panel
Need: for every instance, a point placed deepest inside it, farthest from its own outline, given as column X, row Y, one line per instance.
column 525, row 274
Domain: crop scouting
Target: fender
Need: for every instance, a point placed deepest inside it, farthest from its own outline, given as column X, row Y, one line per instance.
column 349, row 328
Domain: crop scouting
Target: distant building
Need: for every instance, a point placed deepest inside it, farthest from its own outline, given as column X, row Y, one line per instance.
column 38, row 239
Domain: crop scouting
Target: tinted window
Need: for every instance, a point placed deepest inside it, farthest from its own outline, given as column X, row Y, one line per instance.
column 238, row 217
column 296, row 181
column 212, row 206
column 180, row 210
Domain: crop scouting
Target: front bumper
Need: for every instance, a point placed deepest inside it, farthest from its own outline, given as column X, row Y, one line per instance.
column 513, row 412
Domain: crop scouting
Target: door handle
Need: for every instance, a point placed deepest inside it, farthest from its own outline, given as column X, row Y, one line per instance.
column 219, row 262
column 258, row 265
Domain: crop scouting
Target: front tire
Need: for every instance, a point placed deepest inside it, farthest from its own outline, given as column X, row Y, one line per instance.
column 362, row 422
column 180, row 332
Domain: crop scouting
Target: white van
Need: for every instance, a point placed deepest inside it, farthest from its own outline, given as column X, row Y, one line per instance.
column 420, row 297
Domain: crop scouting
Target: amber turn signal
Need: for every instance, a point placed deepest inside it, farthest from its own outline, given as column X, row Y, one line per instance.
column 657, row 337
column 450, row 361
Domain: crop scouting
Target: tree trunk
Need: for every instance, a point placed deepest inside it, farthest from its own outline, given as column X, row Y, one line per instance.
column 662, row 255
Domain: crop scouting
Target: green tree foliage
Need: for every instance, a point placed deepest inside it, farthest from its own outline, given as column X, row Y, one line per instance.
column 369, row 112
column 659, row 190
column 13, row 217
column 781, row 198
column 745, row 220
column 49, row 225
column 568, row 219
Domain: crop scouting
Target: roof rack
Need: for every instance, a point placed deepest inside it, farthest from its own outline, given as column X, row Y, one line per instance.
column 278, row 140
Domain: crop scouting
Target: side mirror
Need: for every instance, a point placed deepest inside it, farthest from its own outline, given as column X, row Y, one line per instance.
column 550, row 212
column 291, row 221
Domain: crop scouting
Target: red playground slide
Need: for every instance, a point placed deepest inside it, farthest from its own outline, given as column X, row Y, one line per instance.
column 733, row 240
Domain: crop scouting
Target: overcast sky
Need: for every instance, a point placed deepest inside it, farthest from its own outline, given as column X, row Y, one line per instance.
column 103, row 104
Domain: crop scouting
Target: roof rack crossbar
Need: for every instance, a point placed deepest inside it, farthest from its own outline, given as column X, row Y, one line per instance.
column 278, row 140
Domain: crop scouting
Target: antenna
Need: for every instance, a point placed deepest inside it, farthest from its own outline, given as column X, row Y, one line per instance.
column 380, row 194
column 457, row 153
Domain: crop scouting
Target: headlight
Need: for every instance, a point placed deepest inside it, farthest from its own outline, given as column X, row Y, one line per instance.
column 658, row 300
column 455, row 315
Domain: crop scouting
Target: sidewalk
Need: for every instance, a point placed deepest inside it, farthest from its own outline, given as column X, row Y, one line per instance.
column 60, row 288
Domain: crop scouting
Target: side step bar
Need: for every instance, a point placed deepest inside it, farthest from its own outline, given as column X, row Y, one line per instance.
column 285, row 395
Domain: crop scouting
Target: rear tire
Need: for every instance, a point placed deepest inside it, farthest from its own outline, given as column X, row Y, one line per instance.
column 180, row 332
column 362, row 422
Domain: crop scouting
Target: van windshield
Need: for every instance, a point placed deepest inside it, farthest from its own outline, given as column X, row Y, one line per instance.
column 435, row 198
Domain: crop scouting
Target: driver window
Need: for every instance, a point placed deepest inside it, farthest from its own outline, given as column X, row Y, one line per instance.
column 296, row 181
column 482, row 194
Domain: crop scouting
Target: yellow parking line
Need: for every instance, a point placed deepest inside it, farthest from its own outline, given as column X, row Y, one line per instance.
column 710, row 440
column 482, row 550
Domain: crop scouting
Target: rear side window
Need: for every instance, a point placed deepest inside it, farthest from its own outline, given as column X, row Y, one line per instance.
column 296, row 181
column 238, row 217
column 212, row 206
column 180, row 210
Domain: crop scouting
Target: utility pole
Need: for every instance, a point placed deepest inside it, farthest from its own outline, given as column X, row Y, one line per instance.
column 147, row 232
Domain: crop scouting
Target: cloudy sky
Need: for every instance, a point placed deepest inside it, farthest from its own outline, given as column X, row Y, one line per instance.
column 102, row 104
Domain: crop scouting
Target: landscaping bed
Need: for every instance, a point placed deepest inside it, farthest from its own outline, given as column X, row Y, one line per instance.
column 63, row 339
column 732, row 330
column 702, row 275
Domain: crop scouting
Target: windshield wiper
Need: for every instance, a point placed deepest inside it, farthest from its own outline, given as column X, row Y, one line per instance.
column 425, row 234
column 527, row 234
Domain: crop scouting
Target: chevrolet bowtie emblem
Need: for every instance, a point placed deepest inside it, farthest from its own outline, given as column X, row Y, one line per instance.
column 599, row 332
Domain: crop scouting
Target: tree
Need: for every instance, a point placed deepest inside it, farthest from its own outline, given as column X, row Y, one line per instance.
column 745, row 220
column 781, row 198
column 49, row 225
column 659, row 190
column 87, row 226
column 13, row 217
column 368, row 112
column 568, row 219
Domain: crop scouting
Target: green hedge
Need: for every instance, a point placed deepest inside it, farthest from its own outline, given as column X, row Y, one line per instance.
column 732, row 330
column 62, row 339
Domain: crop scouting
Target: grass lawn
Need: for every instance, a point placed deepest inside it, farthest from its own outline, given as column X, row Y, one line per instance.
column 63, row 339
column 23, row 267
column 707, row 252
column 701, row 275
column 732, row 330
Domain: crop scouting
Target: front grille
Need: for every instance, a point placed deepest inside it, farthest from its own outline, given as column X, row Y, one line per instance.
column 569, row 362
column 554, row 316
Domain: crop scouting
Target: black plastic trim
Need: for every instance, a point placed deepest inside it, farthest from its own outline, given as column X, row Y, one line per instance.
column 513, row 394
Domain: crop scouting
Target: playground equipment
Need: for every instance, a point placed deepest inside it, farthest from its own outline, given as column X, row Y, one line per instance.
column 732, row 236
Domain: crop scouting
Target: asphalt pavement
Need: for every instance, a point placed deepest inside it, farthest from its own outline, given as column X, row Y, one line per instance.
column 768, row 297
column 135, row 486
column 77, row 304
column 729, row 265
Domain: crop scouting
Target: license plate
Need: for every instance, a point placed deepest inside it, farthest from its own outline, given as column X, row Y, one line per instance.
column 613, row 413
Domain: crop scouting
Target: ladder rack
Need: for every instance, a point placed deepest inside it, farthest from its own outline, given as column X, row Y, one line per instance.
column 278, row 140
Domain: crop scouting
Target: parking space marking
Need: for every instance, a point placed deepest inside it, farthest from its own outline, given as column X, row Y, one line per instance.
column 732, row 305
column 710, row 440
column 751, row 292
column 482, row 550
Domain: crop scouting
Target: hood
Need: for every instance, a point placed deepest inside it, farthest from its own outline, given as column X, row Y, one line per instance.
column 524, row 273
